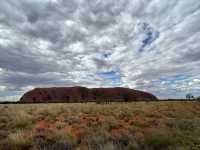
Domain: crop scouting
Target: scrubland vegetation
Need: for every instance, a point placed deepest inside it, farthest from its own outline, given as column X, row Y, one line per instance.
column 90, row 126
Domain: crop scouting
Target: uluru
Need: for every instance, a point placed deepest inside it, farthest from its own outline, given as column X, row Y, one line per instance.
column 83, row 94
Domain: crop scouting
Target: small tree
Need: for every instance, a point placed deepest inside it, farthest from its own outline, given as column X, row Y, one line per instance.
column 198, row 99
column 189, row 96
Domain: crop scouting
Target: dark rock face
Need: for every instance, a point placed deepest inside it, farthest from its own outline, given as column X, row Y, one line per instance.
column 82, row 94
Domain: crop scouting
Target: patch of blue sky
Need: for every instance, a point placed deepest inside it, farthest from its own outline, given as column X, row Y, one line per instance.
column 173, row 79
column 107, row 55
column 113, row 76
column 104, row 54
column 9, row 93
column 150, row 36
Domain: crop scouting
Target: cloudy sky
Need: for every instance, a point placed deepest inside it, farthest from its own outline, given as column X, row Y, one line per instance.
column 150, row 45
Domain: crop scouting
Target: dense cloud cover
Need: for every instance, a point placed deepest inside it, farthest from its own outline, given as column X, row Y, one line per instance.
column 150, row 45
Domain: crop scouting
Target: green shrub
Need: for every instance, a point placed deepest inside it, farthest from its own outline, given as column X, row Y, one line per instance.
column 72, row 119
column 95, row 138
column 185, row 125
column 159, row 142
column 125, row 141
column 16, row 141
column 66, row 138
column 22, row 121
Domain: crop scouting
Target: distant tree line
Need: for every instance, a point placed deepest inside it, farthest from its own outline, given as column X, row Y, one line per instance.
column 189, row 96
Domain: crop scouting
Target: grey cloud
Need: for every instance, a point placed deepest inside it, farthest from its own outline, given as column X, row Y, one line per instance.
column 100, row 14
column 45, row 30
column 21, row 58
column 64, row 42
column 189, row 56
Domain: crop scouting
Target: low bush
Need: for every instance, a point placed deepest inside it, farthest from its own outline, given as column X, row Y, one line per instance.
column 158, row 142
column 16, row 141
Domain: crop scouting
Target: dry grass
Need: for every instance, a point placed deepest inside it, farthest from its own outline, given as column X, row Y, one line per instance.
column 90, row 126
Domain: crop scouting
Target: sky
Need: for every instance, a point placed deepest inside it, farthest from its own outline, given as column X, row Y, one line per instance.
column 149, row 45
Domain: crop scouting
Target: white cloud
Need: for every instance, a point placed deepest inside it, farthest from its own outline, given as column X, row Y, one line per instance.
column 2, row 88
column 152, row 45
column 10, row 98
